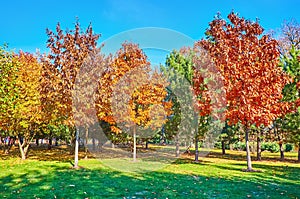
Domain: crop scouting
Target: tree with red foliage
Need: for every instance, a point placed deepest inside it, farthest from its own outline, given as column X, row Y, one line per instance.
column 248, row 62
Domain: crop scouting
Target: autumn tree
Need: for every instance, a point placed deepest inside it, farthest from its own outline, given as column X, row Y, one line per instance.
column 8, row 90
column 84, row 94
column 21, row 112
column 68, row 50
column 130, row 96
column 248, row 62
column 50, row 95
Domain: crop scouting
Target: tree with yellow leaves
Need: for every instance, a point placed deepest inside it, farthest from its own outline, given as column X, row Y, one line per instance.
column 21, row 111
column 131, row 97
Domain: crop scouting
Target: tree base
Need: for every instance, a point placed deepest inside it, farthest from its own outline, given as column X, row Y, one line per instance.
column 251, row 170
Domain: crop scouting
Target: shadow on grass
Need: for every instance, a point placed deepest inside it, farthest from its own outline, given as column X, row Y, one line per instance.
column 42, row 153
column 241, row 155
column 57, row 180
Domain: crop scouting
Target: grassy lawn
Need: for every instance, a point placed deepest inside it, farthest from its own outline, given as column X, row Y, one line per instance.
column 215, row 176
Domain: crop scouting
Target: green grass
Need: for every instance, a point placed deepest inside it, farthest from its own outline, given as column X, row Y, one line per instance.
column 215, row 176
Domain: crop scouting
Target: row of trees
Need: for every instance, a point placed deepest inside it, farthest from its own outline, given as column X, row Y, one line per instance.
column 236, row 75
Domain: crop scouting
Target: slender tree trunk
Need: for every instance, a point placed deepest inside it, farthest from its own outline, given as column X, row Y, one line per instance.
column 280, row 141
column 299, row 152
column 177, row 146
column 223, row 147
column 249, row 164
column 258, row 146
column 94, row 144
column 76, row 148
column 196, row 149
column 281, row 150
column 73, row 143
column 50, row 143
column 86, row 142
column 37, row 142
column 147, row 145
column 8, row 145
column 196, row 138
column 134, row 143
column 23, row 156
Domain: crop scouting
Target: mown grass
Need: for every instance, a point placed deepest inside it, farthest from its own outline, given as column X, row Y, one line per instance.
column 215, row 176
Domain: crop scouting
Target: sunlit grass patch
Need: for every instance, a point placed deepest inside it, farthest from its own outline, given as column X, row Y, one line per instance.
column 214, row 176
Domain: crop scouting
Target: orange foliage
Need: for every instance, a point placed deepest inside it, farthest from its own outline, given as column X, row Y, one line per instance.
column 128, row 93
column 248, row 63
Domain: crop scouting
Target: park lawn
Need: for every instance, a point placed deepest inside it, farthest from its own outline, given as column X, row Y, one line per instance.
column 215, row 176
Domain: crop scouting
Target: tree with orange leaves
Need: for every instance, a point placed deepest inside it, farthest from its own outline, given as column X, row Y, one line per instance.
column 248, row 62
column 68, row 51
column 130, row 97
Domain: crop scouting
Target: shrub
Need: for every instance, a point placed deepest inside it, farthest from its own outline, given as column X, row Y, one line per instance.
column 241, row 146
column 273, row 147
column 218, row 145
column 288, row 147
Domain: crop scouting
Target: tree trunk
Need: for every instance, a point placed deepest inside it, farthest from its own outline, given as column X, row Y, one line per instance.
column 281, row 151
column 76, row 148
column 73, row 142
column 86, row 142
column 196, row 149
column 177, row 146
column 280, row 141
column 23, row 146
column 37, row 142
column 249, row 164
column 147, row 145
column 223, row 147
column 196, row 138
column 94, row 144
column 299, row 152
column 134, row 143
column 50, row 143
column 258, row 146
column 23, row 155
column 8, row 144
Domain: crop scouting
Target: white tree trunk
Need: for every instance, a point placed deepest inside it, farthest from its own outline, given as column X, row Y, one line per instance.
column 249, row 164
column 76, row 148
column 134, row 143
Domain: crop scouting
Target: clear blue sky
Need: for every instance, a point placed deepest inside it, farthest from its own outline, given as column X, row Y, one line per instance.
column 23, row 22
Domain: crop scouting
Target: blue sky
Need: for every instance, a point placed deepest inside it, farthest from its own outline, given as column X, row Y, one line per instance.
column 23, row 23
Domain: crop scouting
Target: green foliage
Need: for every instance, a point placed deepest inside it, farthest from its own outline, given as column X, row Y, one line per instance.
column 179, row 70
column 218, row 145
column 291, row 65
column 229, row 133
column 288, row 147
column 240, row 146
column 273, row 147
column 183, row 65
column 291, row 122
